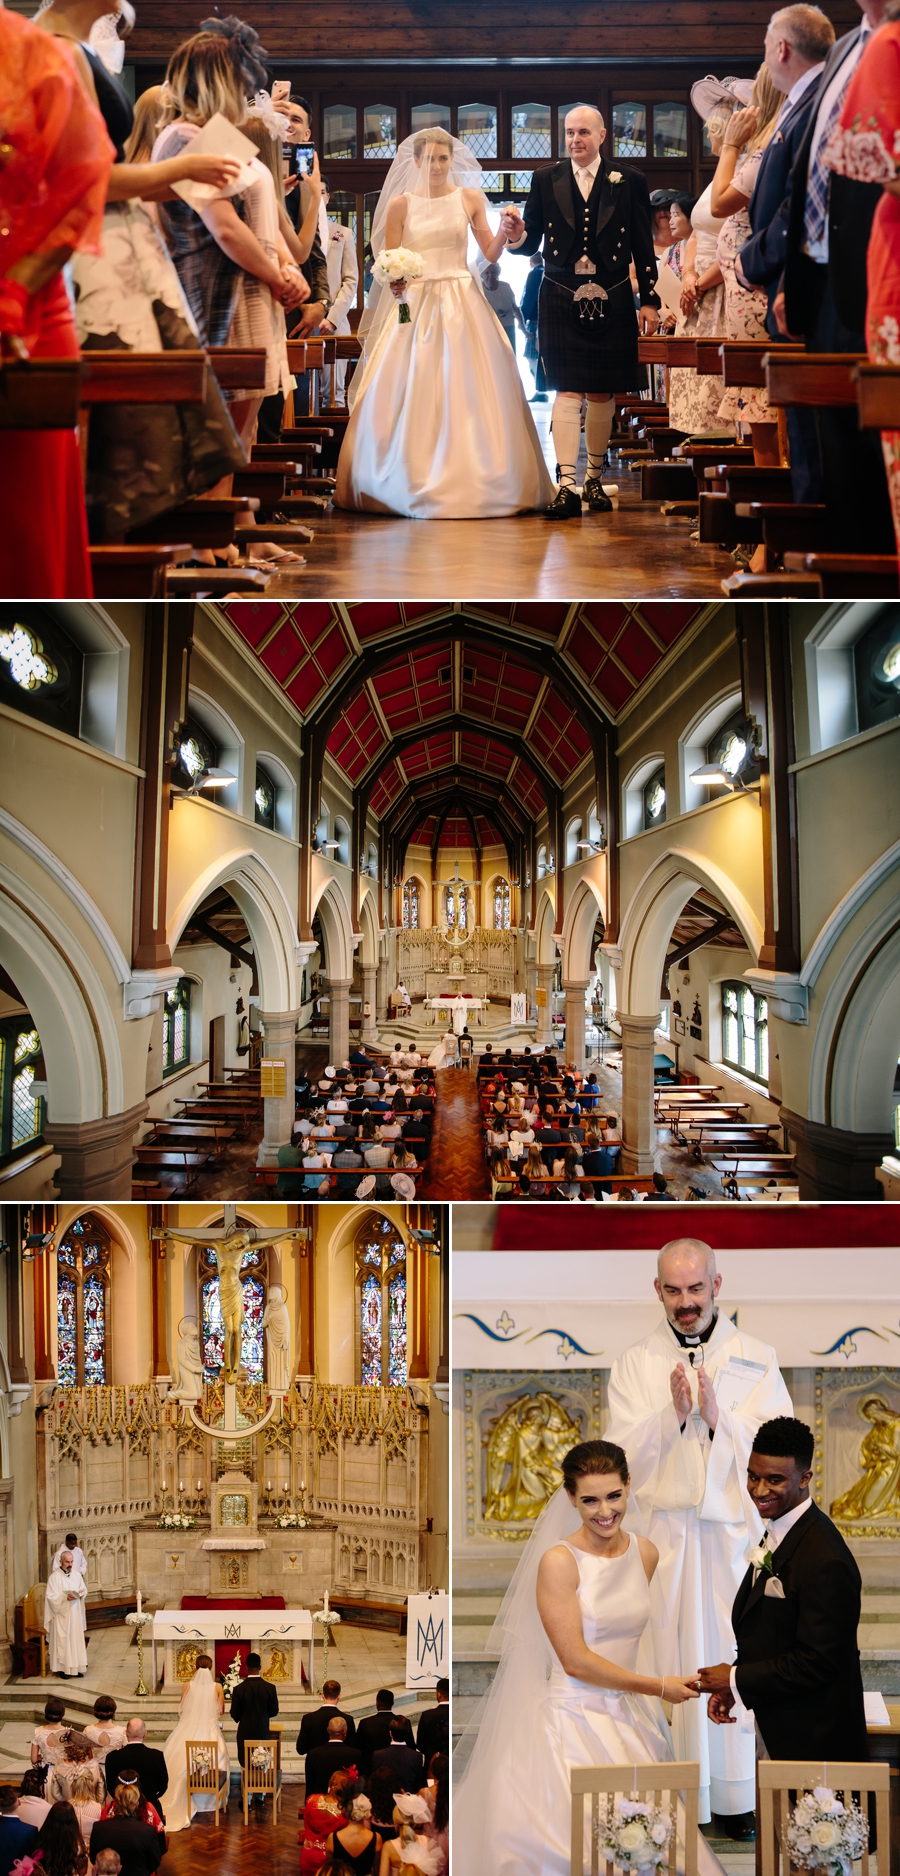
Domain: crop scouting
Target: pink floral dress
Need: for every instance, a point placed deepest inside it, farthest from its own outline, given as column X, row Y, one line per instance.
column 745, row 312
column 866, row 146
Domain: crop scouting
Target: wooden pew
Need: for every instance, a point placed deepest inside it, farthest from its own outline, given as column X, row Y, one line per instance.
column 181, row 1159
column 238, row 368
column 878, row 396
column 204, row 520
column 811, row 377
column 126, row 571
column 846, row 576
column 40, row 393
column 742, row 360
column 786, row 526
column 118, row 377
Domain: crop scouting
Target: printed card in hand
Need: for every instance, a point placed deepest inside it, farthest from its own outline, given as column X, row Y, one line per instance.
column 218, row 138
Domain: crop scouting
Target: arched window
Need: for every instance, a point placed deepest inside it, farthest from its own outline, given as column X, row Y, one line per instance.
column 196, row 753
column 410, row 905
column 177, row 1027
column 264, row 799
column 381, row 1303
column 462, row 909
column 501, row 905
column 745, row 1031
column 21, row 1114
column 82, row 1304
column 449, row 907
column 254, row 1283
column 654, row 801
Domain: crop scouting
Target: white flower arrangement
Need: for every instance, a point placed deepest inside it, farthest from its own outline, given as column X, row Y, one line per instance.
column 615, row 175
column 176, row 1521
column 201, row 1758
column 230, row 1680
column 822, row 1833
column 292, row 1521
column 394, row 264
column 633, row 1835
column 261, row 1758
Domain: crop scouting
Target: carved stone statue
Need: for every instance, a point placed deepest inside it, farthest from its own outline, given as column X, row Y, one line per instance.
column 877, row 1493
column 188, row 1364
column 277, row 1325
column 531, row 1437
column 230, row 1244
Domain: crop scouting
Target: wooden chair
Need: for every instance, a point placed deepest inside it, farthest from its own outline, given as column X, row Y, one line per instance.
column 33, row 1620
column 779, row 1777
column 660, row 1784
column 203, row 1773
column 261, row 1772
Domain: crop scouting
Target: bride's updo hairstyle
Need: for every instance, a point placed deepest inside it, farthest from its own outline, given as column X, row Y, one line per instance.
column 435, row 135
column 204, row 1661
column 593, row 1458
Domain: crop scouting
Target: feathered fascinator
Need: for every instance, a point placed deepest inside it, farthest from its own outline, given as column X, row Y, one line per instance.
column 250, row 55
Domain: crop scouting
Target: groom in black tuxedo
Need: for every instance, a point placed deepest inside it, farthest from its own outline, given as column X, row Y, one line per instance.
column 795, row 1616
column 593, row 219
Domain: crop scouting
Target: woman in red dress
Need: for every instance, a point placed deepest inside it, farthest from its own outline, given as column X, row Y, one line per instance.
column 55, row 159
column 866, row 146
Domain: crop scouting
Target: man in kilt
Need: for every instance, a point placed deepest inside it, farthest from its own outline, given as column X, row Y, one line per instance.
column 593, row 219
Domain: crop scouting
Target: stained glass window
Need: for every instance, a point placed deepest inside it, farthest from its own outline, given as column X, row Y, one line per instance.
column 67, row 1342
column 21, row 1111
column 501, row 905
column 177, row 1027
column 264, row 800
column 411, row 905
column 449, row 907
column 212, row 1328
column 195, row 753
column 82, row 1304
column 745, row 1031
column 462, row 909
column 655, row 798
column 381, row 1298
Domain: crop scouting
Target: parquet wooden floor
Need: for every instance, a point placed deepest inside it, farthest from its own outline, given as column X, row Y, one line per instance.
column 231, row 1850
column 630, row 554
column 456, row 1167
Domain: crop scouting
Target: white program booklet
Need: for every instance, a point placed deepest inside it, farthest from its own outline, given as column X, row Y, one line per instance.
column 218, row 138
column 736, row 1381
column 669, row 288
column 876, row 1711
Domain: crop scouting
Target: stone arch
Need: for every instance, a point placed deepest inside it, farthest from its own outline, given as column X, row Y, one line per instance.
column 270, row 922
column 368, row 924
column 337, row 931
column 857, row 1039
column 69, row 1002
column 578, row 931
column 544, row 926
column 651, row 915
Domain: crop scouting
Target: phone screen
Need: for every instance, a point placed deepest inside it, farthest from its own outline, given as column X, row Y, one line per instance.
column 300, row 156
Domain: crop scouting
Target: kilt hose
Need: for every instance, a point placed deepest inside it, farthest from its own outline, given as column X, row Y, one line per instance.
column 589, row 354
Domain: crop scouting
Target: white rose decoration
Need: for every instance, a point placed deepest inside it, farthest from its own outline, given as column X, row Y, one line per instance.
column 659, row 1834
column 615, row 175
column 826, row 1799
column 824, row 1835
column 632, row 1837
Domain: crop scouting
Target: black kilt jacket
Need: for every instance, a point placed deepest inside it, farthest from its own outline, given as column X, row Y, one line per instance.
column 622, row 228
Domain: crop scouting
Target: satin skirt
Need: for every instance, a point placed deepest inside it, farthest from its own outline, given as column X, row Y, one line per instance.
column 440, row 428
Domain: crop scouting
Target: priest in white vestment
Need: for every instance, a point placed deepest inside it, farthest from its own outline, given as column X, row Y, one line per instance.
column 63, row 1605
column 79, row 1563
column 460, row 1010
column 685, row 1404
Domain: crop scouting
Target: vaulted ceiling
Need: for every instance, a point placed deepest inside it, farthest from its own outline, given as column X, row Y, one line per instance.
column 495, row 703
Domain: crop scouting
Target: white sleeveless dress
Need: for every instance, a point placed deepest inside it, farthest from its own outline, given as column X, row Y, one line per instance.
column 440, row 428
column 587, row 1725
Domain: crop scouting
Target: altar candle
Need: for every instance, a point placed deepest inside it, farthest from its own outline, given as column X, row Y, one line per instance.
column 139, row 1602
column 326, row 1602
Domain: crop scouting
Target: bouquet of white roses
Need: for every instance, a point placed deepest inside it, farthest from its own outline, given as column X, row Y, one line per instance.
column 292, row 1521
column 176, row 1521
column 394, row 264
column 636, row 1836
column 822, row 1833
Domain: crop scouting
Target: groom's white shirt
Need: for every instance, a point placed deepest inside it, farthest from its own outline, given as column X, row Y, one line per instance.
column 692, row 1501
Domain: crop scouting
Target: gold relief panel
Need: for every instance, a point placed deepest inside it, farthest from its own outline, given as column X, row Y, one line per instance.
column 234, row 1571
column 857, row 1477
column 518, row 1429
column 278, row 1665
column 186, row 1661
column 234, row 1508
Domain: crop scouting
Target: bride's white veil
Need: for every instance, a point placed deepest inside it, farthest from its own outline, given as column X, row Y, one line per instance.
column 200, row 1712
column 409, row 175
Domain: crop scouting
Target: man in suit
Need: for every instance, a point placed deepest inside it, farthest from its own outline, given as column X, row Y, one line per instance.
column 592, row 219
column 406, row 1763
column 795, row 1616
column 823, row 299
column 254, row 1703
column 797, row 43
column 149, row 1764
column 314, row 1726
column 332, row 1757
column 433, row 1730
column 17, row 1839
column 375, row 1731
column 343, row 279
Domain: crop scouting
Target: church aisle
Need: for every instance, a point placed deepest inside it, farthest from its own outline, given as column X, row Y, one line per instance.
column 601, row 556
column 232, row 1848
column 456, row 1167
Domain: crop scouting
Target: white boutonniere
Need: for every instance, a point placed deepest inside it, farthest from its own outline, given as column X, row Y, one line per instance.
column 760, row 1557
column 615, row 175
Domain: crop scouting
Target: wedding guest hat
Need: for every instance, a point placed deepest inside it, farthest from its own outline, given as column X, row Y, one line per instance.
column 709, row 91
column 411, row 1806
column 366, row 1186
column 403, row 1185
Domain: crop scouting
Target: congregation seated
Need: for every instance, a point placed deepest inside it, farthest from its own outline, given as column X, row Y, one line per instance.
column 126, row 1829
column 78, row 1759
column 105, row 1735
column 18, row 1837
column 48, row 1742
column 32, row 1805
column 147, row 1761
column 84, row 1800
column 334, row 1755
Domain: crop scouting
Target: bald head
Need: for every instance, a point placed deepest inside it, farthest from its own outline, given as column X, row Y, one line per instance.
column 65, row 1562
column 135, row 1730
column 337, row 1728
column 687, row 1284
column 585, row 131
column 107, row 1863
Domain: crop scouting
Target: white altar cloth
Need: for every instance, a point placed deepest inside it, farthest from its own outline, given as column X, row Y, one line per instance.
column 476, row 1005
column 283, row 1627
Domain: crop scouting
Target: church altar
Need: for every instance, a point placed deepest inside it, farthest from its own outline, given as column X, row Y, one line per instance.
column 456, row 982
column 485, row 959
column 278, row 1635
column 443, row 1005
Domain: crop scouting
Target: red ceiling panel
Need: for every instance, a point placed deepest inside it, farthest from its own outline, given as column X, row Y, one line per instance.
column 253, row 618
column 636, row 651
column 311, row 619
column 283, row 652
column 541, row 616
column 456, row 832
column 370, row 619
column 669, row 617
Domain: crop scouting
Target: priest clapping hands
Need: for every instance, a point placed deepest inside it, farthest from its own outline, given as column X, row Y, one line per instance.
column 707, row 1405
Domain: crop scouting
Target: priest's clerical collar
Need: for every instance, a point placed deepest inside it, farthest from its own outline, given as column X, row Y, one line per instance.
column 693, row 1341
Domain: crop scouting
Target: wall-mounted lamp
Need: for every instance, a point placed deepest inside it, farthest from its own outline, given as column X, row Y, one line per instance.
column 593, row 846
column 714, row 774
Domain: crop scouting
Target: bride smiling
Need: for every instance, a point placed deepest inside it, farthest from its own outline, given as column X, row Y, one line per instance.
column 575, row 1685
column 439, row 426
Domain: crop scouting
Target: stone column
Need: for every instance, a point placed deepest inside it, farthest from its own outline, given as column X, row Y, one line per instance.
column 96, row 1155
column 279, row 1030
column 544, row 1036
column 369, row 1032
column 832, row 1163
column 575, row 1022
column 638, row 1132
column 381, row 991
column 339, row 1019
column 531, row 986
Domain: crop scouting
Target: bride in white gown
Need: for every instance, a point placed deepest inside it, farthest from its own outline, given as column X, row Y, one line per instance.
column 575, row 1685
column 439, row 428
column 202, row 1707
